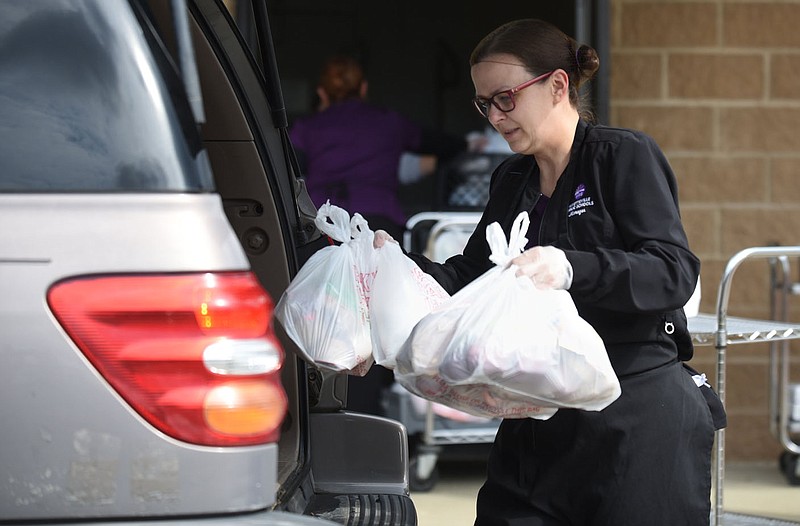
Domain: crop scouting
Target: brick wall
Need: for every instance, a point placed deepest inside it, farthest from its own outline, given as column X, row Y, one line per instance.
column 717, row 84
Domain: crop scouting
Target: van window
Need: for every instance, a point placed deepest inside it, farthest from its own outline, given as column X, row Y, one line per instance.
column 88, row 102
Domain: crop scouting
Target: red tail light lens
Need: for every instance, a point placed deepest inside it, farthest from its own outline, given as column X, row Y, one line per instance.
column 194, row 354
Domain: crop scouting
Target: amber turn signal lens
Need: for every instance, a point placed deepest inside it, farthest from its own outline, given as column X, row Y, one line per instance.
column 244, row 407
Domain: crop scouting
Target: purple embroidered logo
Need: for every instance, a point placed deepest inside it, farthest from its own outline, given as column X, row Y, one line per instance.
column 581, row 204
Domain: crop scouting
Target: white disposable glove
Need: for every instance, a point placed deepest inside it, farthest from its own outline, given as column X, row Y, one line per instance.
column 381, row 237
column 547, row 267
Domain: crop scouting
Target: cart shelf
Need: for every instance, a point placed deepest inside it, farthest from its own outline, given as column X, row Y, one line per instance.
column 722, row 330
column 704, row 329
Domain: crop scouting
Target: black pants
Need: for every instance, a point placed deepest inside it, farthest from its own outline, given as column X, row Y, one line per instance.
column 644, row 460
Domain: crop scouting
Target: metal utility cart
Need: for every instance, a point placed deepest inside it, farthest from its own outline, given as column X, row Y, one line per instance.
column 429, row 433
column 462, row 193
column 721, row 331
column 438, row 235
column 784, row 397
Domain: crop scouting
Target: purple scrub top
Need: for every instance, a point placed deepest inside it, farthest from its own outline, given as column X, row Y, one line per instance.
column 352, row 151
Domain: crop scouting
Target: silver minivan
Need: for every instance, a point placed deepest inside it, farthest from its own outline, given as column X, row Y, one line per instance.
column 150, row 216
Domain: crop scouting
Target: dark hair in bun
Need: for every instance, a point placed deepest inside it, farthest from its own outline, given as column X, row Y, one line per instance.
column 542, row 47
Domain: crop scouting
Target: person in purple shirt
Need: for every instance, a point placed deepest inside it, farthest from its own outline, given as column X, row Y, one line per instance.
column 350, row 152
column 351, row 149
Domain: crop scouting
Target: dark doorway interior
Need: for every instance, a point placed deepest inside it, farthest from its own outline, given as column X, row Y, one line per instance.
column 416, row 53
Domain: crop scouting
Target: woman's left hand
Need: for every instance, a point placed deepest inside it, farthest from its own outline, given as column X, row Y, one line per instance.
column 547, row 267
column 381, row 237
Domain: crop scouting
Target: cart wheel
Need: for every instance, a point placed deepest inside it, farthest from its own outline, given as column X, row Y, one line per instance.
column 419, row 483
column 790, row 467
column 783, row 460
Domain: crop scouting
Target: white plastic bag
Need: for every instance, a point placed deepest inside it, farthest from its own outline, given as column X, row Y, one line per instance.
column 502, row 348
column 401, row 295
column 325, row 309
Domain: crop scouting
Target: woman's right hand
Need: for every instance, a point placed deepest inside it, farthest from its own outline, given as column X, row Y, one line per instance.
column 381, row 237
column 548, row 267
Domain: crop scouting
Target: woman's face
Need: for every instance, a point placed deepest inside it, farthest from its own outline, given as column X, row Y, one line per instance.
column 524, row 127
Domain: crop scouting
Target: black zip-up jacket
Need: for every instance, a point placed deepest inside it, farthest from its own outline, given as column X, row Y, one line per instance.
column 615, row 214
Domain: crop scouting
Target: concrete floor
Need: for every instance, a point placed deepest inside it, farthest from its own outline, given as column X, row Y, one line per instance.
column 750, row 489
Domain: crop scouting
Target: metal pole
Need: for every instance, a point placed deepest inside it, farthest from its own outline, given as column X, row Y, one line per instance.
column 723, row 295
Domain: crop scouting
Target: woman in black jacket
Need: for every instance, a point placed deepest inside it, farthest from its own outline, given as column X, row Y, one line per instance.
column 605, row 225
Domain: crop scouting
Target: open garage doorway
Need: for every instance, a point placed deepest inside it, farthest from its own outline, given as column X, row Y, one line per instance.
column 415, row 54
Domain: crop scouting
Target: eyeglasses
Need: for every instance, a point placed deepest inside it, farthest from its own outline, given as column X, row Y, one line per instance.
column 504, row 100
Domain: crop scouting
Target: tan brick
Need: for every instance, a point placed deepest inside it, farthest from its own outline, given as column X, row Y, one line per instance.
column 749, row 294
column 674, row 128
column 737, row 166
column 636, row 76
column 751, row 227
column 721, row 180
column 785, row 181
column 678, row 24
column 784, row 77
column 711, row 269
column 705, row 360
column 747, row 384
column 715, row 76
column 700, row 224
column 747, row 400
column 759, row 129
column 761, row 24
column 614, row 8
column 748, row 438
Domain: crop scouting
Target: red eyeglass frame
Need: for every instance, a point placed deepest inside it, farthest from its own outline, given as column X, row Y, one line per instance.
column 480, row 102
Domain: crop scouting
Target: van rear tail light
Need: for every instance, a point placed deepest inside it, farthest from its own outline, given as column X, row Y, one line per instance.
column 193, row 354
